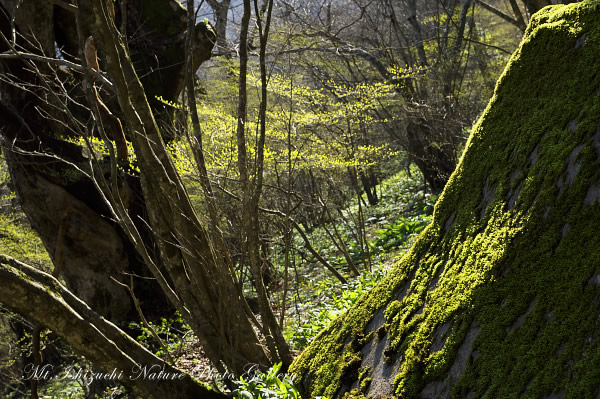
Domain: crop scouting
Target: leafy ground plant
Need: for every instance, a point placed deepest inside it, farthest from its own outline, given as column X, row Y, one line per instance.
column 268, row 385
column 335, row 300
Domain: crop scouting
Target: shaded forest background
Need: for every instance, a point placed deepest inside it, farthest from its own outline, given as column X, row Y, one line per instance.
column 272, row 160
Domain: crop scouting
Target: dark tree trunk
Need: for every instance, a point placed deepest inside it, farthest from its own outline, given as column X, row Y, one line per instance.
column 198, row 280
column 414, row 22
column 435, row 159
column 369, row 182
column 62, row 204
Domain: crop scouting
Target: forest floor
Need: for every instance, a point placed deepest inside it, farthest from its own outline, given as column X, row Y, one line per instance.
column 314, row 297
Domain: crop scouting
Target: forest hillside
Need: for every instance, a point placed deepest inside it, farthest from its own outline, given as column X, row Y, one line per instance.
column 262, row 199
column 500, row 295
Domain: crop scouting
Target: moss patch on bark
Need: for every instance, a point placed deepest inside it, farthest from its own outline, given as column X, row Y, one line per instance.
column 500, row 295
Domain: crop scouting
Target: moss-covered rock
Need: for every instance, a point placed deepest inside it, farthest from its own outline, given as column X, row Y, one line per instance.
column 500, row 296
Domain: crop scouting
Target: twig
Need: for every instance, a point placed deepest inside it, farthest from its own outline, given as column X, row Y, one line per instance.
column 57, row 61
column 136, row 303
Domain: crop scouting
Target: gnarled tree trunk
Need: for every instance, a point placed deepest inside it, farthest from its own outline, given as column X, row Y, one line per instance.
column 95, row 219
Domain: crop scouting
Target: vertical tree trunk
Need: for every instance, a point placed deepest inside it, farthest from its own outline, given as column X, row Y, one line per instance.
column 412, row 19
column 369, row 183
column 203, row 290
column 436, row 162
column 220, row 10
column 252, row 187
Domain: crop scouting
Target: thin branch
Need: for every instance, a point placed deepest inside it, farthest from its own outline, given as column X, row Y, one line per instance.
column 499, row 13
column 59, row 62
column 299, row 230
column 466, row 39
column 136, row 303
column 518, row 15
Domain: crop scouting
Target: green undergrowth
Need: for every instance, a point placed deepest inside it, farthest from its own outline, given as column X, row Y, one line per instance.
column 268, row 385
column 329, row 299
column 403, row 211
column 173, row 332
column 19, row 241
column 499, row 297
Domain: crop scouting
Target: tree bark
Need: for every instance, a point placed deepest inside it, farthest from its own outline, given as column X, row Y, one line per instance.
column 204, row 290
column 159, row 230
column 435, row 159
column 412, row 19
column 220, row 10
column 37, row 153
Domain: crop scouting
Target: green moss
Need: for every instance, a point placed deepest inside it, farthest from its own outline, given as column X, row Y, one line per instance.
column 364, row 381
column 368, row 338
column 364, row 384
column 363, row 373
column 206, row 25
column 512, row 258
column 354, row 394
column 18, row 240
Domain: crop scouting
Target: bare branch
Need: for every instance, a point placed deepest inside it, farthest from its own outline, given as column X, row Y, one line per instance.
column 57, row 61
column 499, row 13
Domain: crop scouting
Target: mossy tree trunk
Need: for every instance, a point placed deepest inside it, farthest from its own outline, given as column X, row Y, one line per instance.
column 499, row 296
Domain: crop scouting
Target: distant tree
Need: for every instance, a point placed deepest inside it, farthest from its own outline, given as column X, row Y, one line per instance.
column 428, row 51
